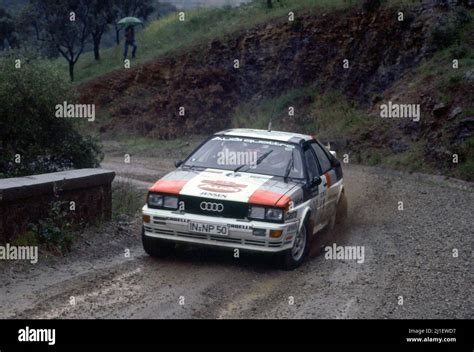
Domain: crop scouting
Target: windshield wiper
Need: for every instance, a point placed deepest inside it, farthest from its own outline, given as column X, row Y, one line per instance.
column 289, row 167
column 259, row 160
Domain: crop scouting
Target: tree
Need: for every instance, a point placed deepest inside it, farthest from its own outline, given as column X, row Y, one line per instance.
column 32, row 139
column 103, row 13
column 7, row 30
column 270, row 3
column 135, row 8
column 65, row 24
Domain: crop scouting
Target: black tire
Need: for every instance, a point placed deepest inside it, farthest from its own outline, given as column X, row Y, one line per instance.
column 287, row 260
column 341, row 210
column 156, row 247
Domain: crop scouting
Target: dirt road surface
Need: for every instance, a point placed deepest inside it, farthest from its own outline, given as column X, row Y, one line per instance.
column 421, row 255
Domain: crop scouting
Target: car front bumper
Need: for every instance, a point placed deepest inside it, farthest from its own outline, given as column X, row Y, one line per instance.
column 174, row 226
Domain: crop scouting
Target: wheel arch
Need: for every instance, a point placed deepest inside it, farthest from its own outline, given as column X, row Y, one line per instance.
column 306, row 218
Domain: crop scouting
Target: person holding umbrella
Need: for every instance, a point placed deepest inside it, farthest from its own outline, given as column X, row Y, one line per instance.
column 128, row 23
column 129, row 40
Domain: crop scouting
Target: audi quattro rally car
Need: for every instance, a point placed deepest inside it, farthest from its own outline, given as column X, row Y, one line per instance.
column 257, row 190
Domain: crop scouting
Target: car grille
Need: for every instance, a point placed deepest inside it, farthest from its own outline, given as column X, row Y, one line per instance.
column 235, row 210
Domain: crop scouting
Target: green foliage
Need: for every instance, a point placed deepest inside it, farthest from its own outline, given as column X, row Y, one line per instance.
column 449, row 29
column 257, row 114
column 466, row 156
column 28, row 125
column 7, row 29
column 334, row 114
column 374, row 158
column 126, row 201
column 28, row 238
column 410, row 160
column 55, row 231
column 136, row 8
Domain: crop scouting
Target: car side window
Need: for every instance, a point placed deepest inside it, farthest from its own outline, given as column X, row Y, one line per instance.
column 311, row 164
column 322, row 158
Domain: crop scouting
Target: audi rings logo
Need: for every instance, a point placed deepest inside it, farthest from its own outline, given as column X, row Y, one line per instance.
column 208, row 206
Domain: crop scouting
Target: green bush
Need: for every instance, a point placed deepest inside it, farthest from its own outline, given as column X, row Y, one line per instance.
column 374, row 158
column 466, row 156
column 450, row 28
column 55, row 231
column 32, row 139
column 126, row 201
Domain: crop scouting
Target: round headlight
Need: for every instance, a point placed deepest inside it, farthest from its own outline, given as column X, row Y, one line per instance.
column 274, row 214
column 155, row 200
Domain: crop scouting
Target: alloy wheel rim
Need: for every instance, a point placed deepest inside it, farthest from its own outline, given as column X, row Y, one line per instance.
column 299, row 245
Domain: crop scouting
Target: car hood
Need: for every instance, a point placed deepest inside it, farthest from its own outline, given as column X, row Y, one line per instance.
column 227, row 185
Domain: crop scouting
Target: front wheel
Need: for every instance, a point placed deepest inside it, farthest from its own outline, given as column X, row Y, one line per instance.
column 292, row 258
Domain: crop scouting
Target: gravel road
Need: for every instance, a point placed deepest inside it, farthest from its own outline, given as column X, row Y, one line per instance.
column 409, row 253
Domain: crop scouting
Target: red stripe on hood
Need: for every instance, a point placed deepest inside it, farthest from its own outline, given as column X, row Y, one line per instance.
column 168, row 186
column 268, row 198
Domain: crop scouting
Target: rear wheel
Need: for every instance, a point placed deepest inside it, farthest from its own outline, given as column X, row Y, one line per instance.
column 156, row 247
column 292, row 258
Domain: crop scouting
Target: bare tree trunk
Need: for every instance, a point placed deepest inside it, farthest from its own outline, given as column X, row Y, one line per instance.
column 96, row 40
column 269, row 4
column 71, row 70
column 96, row 52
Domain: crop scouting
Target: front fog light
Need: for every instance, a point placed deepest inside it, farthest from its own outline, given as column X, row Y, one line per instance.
column 146, row 219
column 275, row 233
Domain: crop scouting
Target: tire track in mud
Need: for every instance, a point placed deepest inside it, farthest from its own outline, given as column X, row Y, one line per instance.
column 101, row 291
column 305, row 292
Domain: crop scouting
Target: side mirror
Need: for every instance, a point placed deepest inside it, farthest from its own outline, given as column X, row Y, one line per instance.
column 316, row 181
column 333, row 153
column 178, row 163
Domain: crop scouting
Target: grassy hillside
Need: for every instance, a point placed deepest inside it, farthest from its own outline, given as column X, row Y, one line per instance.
column 165, row 36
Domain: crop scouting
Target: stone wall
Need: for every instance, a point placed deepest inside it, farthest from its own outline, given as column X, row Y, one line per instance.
column 25, row 200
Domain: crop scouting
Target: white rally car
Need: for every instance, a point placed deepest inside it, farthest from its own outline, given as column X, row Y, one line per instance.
column 246, row 189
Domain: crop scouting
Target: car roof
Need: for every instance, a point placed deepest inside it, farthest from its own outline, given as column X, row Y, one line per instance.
column 264, row 134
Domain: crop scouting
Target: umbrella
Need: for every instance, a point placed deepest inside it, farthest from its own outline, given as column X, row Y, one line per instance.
column 129, row 21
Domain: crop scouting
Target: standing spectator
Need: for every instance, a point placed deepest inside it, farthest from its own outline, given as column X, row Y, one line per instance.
column 129, row 40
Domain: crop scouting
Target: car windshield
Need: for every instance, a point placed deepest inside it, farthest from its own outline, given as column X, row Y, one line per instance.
column 248, row 155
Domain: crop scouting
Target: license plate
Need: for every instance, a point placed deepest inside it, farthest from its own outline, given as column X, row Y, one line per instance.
column 211, row 229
